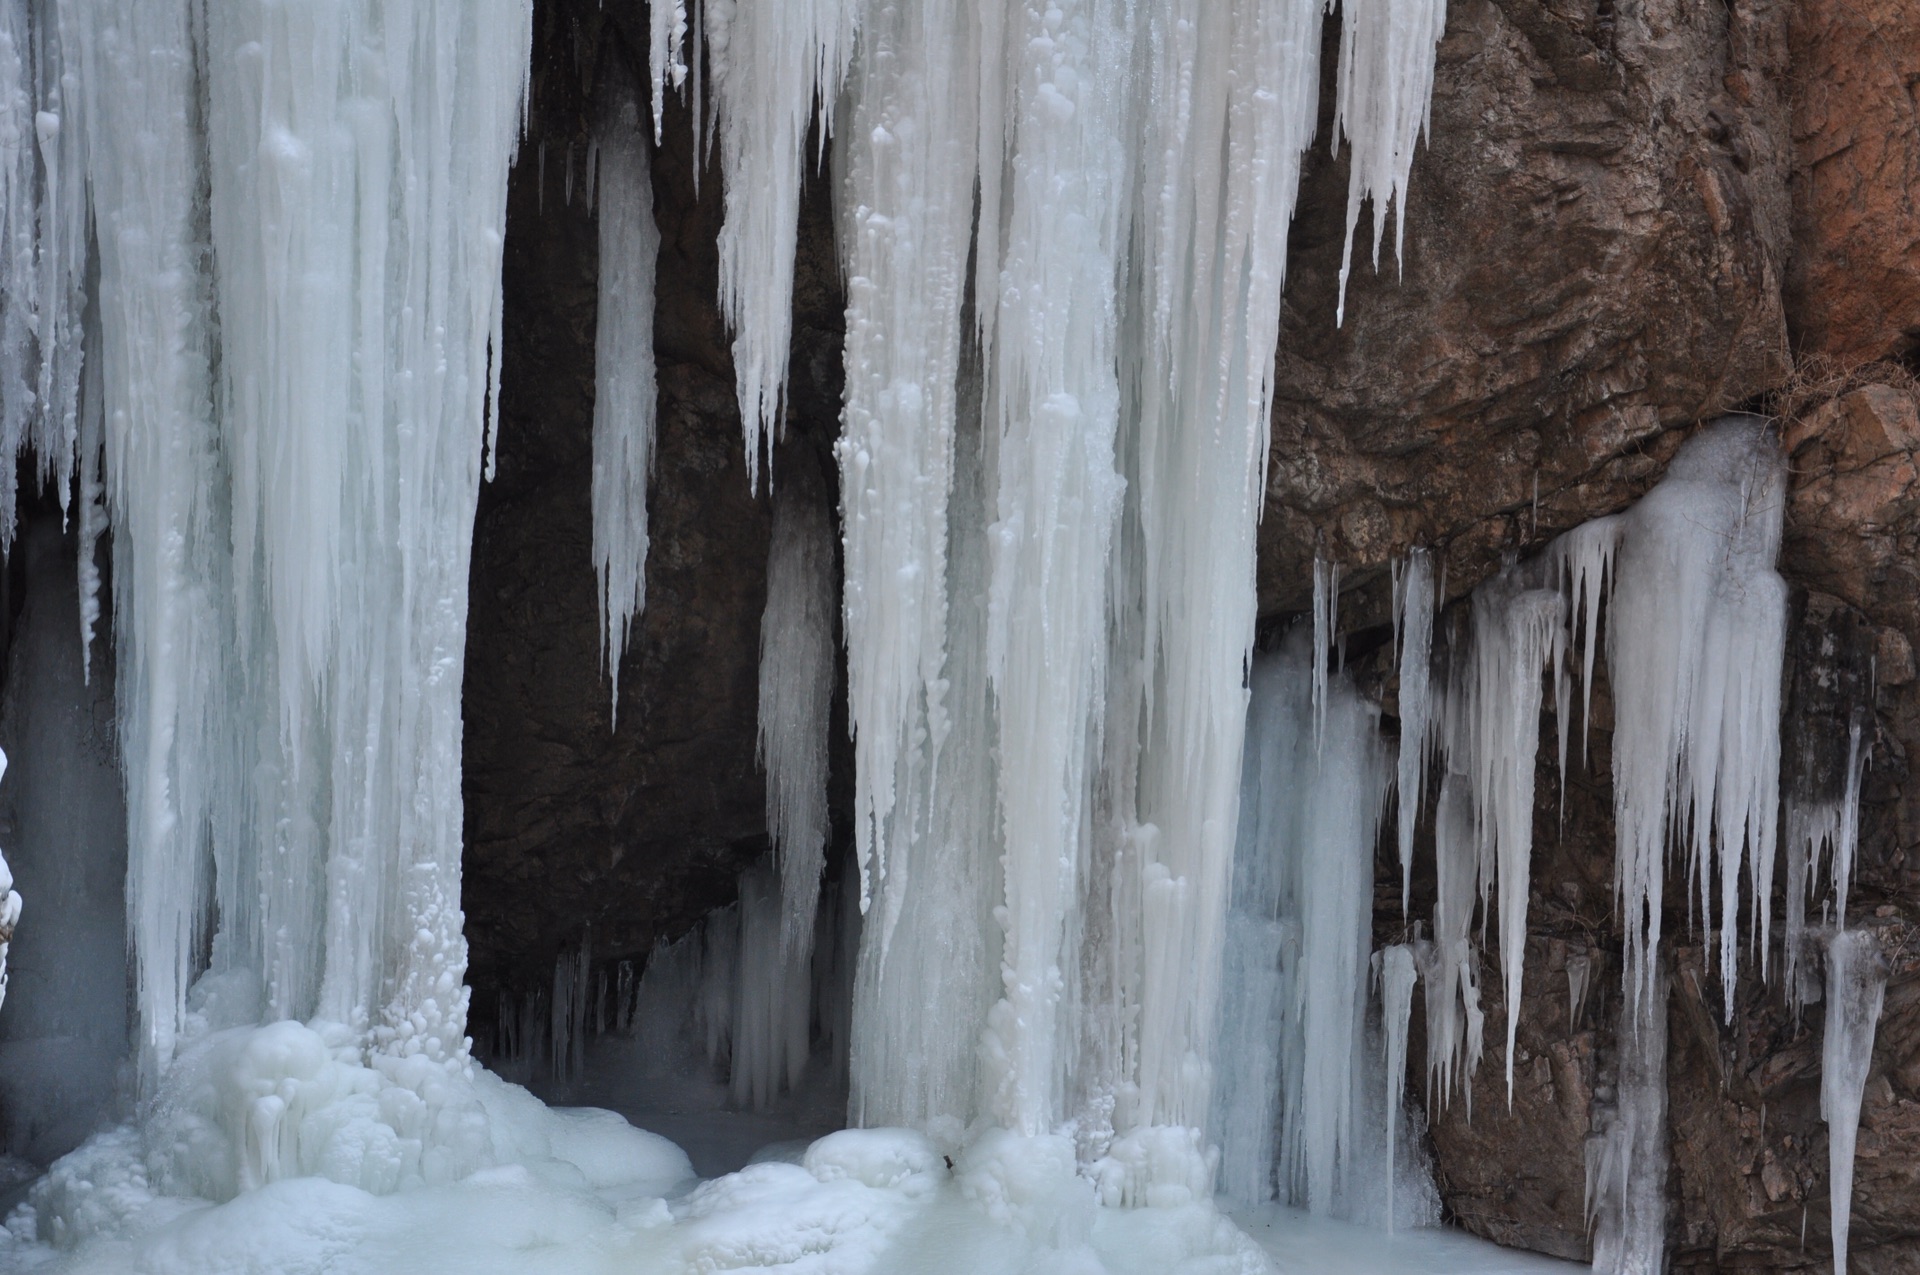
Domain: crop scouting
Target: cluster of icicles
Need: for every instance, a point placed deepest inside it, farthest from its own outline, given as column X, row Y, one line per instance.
column 1063, row 231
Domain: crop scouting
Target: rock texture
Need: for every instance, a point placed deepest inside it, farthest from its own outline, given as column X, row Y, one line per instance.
column 1854, row 286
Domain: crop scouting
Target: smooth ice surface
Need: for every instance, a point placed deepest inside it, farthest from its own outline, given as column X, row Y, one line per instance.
column 625, row 390
column 1856, row 991
column 1301, row 1244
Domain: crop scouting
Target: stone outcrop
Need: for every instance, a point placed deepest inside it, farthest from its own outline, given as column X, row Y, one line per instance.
column 1853, row 289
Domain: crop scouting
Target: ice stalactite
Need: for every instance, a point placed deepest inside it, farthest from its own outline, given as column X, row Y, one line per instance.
column 1386, row 83
column 1856, row 992
column 625, row 389
column 1414, row 604
column 796, row 700
column 1627, row 1157
column 776, row 66
column 1396, row 973
column 1293, row 1022
column 1579, row 968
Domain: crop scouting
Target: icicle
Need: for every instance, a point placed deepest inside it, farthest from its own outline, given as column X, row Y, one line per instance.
column 1518, row 634
column 1579, row 965
column 775, row 64
column 666, row 53
column 1397, row 975
column 1856, row 991
column 567, row 1010
column 1415, row 605
column 1627, row 1157
column 796, row 700
column 625, row 398
column 1386, row 80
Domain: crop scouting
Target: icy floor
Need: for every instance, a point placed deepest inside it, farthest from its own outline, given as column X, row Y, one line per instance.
column 610, row 1198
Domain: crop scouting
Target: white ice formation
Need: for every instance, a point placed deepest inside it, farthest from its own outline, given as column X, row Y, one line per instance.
column 625, row 392
column 1063, row 230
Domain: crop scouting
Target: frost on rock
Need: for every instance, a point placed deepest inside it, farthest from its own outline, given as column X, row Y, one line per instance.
column 625, row 392
column 1856, row 992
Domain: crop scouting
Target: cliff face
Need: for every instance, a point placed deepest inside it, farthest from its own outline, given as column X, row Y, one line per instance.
column 1631, row 216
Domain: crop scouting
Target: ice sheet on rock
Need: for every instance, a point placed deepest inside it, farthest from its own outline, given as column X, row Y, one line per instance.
column 776, row 65
column 1627, row 1155
column 625, row 389
column 796, row 700
column 1291, row 1098
column 1856, row 992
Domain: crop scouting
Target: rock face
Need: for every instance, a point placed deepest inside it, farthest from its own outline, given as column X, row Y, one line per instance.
column 1630, row 217
column 1854, row 286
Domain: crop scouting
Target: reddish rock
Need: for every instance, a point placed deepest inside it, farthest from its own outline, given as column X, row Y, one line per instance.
column 1853, row 291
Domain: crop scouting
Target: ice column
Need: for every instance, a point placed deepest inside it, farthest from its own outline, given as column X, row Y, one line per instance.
column 775, row 63
column 1856, row 990
column 1227, row 101
column 1053, row 402
column 625, row 394
column 796, row 700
